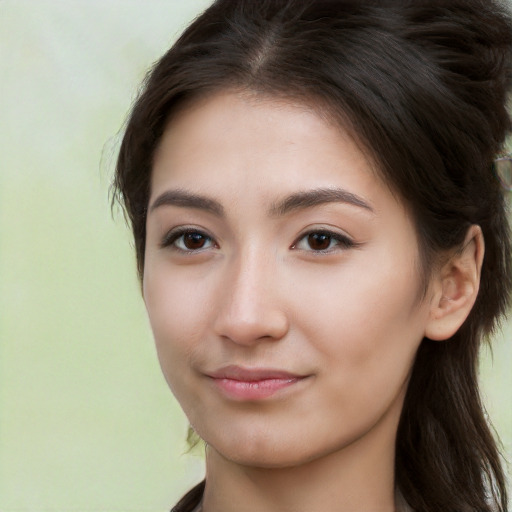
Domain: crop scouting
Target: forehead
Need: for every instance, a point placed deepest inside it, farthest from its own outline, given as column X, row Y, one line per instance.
column 230, row 136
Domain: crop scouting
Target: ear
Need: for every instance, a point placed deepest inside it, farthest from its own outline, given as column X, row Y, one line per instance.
column 455, row 288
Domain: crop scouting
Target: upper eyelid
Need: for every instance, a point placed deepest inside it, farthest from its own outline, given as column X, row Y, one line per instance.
column 326, row 230
column 187, row 229
column 345, row 241
column 174, row 233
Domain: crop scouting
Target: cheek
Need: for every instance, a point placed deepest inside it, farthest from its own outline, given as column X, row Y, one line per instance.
column 178, row 314
column 365, row 318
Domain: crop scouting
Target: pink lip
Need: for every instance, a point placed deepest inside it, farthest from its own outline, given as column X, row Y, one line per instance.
column 252, row 383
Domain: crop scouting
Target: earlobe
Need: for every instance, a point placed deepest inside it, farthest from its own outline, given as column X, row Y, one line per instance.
column 455, row 288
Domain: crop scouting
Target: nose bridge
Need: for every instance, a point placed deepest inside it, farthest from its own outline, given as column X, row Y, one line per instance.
column 251, row 308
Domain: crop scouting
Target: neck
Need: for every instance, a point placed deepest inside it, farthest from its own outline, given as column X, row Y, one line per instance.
column 357, row 477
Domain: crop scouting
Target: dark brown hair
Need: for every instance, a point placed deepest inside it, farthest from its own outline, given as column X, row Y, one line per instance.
column 422, row 86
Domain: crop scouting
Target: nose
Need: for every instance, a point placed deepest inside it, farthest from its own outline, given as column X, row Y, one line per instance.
column 250, row 306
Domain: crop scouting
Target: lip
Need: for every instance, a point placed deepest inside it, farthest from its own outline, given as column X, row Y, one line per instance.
column 252, row 384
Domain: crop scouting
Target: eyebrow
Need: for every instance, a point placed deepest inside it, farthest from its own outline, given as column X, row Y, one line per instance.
column 186, row 199
column 296, row 201
column 316, row 197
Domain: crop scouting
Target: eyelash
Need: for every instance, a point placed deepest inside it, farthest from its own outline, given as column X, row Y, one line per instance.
column 171, row 238
column 342, row 242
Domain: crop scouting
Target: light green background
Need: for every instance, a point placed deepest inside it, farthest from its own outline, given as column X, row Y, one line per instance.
column 86, row 420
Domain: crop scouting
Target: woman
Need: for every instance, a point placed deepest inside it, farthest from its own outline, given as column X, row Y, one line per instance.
column 323, row 245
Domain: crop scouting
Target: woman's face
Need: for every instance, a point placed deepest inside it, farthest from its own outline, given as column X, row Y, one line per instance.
column 281, row 281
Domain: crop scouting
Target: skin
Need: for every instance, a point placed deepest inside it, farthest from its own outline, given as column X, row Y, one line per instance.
column 258, row 282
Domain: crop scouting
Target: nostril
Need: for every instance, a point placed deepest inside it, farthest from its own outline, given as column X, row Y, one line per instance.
column 268, row 325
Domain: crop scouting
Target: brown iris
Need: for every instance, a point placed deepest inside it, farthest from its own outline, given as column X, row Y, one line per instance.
column 194, row 241
column 319, row 241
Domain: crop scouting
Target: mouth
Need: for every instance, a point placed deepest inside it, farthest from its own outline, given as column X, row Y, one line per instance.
column 252, row 384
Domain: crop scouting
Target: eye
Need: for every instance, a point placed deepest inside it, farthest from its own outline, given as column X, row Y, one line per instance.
column 323, row 241
column 187, row 240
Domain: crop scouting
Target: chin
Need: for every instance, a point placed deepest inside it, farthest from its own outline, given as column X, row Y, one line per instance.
column 265, row 457
column 259, row 450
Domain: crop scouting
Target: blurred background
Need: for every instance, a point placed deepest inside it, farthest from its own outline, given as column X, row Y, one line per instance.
column 86, row 420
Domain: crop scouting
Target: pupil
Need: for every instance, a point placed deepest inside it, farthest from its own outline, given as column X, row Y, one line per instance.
column 319, row 242
column 193, row 240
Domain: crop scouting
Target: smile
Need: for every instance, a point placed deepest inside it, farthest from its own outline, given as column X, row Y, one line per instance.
column 249, row 384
